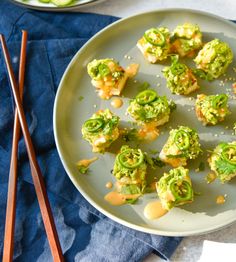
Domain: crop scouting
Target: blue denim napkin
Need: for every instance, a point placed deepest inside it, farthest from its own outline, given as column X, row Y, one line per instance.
column 85, row 233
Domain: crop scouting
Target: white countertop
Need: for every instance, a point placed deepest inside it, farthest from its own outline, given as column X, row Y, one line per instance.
column 190, row 248
column 124, row 8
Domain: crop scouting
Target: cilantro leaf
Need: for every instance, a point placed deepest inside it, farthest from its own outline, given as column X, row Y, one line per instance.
column 82, row 169
column 224, row 167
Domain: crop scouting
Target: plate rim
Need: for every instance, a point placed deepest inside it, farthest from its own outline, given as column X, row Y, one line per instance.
column 56, row 8
column 78, row 187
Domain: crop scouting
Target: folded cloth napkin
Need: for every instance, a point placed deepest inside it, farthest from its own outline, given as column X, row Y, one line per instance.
column 85, row 233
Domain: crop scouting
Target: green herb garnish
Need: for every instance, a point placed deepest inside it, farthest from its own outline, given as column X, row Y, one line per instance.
column 201, row 166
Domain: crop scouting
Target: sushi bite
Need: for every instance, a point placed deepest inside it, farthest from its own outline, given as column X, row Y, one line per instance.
column 186, row 39
column 130, row 170
column 181, row 146
column 175, row 188
column 180, row 78
column 155, row 44
column 109, row 77
column 223, row 161
column 212, row 109
column 101, row 130
column 148, row 108
column 213, row 59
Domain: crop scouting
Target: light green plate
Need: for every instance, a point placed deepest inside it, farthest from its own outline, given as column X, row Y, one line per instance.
column 35, row 4
column 116, row 41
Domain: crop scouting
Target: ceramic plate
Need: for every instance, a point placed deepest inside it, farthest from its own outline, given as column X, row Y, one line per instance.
column 119, row 41
column 35, row 4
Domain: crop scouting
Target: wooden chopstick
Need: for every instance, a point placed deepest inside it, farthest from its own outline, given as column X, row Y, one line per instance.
column 12, row 183
column 35, row 169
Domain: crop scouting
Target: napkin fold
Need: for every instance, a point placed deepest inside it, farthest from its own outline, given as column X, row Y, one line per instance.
column 85, row 234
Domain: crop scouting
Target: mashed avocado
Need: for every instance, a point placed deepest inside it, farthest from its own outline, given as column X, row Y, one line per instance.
column 223, row 161
column 109, row 77
column 148, row 107
column 214, row 58
column 99, row 69
column 155, row 44
column 212, row 109
column 175, row 188
column 101, row 130
column 130, row 170
column 186, row 39
column 182, row 144
column 180, row 78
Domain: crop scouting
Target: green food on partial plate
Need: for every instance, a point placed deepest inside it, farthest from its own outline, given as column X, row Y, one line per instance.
column 58, row 3
column 180, row 78
column 212, row 109
column 175, row 188
column 223, row 161
column 213, row 59
column 101, row 130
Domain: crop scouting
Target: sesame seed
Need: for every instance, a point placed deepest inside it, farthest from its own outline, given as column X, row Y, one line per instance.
column 125, row 56
column 135, row 81
column 94, row 106
column 226, row 127
column 157, row 76
column 222, row 133
column 216, row 135
column 158, row 84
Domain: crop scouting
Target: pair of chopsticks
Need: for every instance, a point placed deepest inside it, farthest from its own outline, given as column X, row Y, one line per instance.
column 20, row 121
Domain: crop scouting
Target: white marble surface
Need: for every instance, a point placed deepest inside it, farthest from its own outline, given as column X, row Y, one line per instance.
column 190, row 248
column 124, row 8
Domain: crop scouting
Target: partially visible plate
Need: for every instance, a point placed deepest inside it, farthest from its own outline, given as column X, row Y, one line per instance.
column 116, row 41
column 35, row 4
